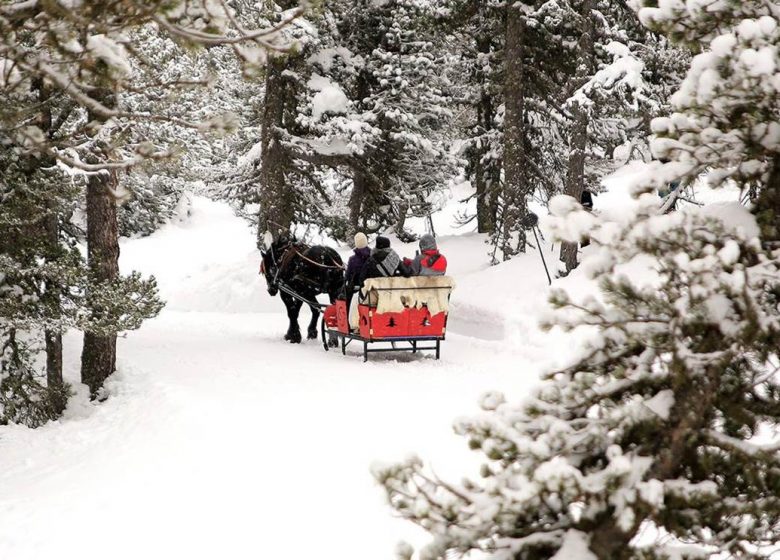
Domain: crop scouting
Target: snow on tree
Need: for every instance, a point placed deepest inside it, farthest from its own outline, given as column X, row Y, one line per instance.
column 654, row 436
column 82, row 51
column 406, row 104
column 43, row 287
column 37, row 261
column 359, row 125
column 726, row 119
column 479, row 47
column 587, row 84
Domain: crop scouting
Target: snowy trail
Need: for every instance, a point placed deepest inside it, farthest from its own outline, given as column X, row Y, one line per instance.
column 219, row 440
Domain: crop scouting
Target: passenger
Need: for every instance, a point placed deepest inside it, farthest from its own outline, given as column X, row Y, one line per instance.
column 357, row 261
column 428, row 262
column 383, row 262
column 354, row 266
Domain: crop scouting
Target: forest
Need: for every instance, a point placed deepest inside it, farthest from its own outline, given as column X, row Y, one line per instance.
column 151, row 150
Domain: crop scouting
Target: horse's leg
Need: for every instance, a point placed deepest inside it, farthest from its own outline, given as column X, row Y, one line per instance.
column 312, row 333
column 293, row 309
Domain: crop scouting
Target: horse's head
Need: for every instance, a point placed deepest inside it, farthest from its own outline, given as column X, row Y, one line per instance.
column 272, row 252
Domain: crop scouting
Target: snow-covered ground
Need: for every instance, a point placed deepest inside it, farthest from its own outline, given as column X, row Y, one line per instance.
column 220, row 440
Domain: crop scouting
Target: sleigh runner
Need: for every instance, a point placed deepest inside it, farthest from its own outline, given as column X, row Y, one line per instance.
column 408, row 313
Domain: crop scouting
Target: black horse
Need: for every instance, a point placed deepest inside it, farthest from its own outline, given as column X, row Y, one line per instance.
column 307, row 271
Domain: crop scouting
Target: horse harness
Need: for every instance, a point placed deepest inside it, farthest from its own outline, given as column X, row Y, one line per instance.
column 334, row 266
column 289, row 252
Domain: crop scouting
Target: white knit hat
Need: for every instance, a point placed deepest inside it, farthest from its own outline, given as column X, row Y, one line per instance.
column 360, row 240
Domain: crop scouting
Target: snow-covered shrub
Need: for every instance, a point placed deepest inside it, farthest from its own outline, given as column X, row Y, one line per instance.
column 652, row 437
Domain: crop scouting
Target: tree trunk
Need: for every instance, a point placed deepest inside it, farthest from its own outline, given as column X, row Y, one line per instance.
column 276, row 196
column 486, row 173
column 98, row 358
column 361, row 198
column 54, row 380
column 401, row 211
column 578, row 142
column 515, row 179
column 52, row 289
column 575, row 177
column 487, row 178
column 53, row 337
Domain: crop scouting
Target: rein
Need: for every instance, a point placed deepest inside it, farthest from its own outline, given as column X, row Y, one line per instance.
column 321, row 265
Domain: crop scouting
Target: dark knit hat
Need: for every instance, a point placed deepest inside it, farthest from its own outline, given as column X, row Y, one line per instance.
column 382, row 242
column 427, row 242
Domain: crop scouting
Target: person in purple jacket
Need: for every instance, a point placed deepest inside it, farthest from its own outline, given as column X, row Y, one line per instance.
column 354, row 266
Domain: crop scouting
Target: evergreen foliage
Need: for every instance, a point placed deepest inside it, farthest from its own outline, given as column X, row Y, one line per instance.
column 41, row 273
column 153, row 202
column 44, row 283
column 655, row 429
column 356, row 119
column 93, row 89
column 24, row 398
column 726, row 119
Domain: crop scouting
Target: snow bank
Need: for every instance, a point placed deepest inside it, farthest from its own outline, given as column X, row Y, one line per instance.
column 208, row 262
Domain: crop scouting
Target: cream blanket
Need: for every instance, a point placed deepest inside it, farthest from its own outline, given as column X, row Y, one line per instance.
column 417, row 291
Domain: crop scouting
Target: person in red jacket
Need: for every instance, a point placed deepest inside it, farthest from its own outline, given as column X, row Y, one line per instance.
column 428, row 262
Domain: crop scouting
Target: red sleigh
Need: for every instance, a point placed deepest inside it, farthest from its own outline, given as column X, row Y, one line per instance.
column 409, row 314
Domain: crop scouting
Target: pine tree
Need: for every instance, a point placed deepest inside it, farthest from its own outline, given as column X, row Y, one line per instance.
column 620, row 78
column 592, row 76
column 478, row 39
column 407, row 103
column 39, row 263
column 655, row 428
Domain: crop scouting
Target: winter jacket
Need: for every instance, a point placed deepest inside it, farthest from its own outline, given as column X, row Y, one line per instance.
column 352, row 277
column 383, row 262
column 355, row 265
column 428, row 263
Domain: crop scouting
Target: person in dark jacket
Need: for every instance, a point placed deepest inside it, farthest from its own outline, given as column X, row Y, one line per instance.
column 358, row 259
column 428, row 262
column 586, row 199
column 383, row 262
column 354, row 267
